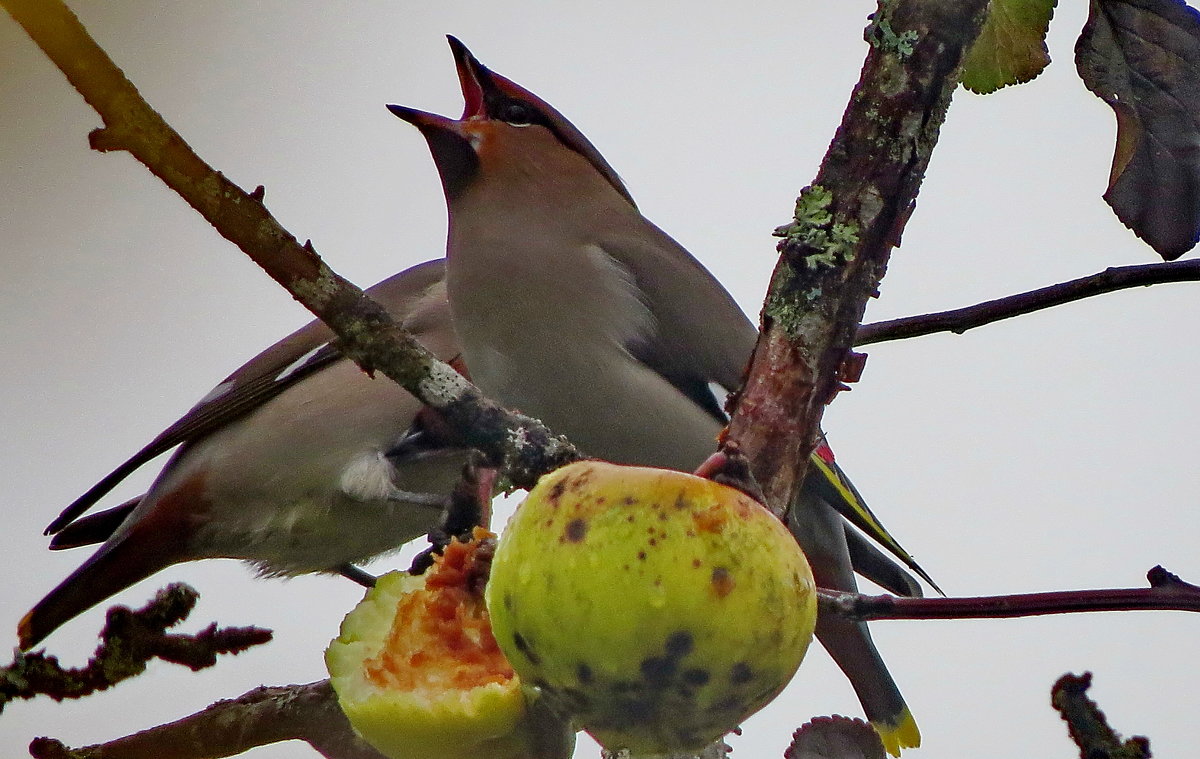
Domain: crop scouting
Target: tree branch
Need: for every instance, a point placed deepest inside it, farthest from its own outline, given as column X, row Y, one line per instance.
column 366, row 332
column 960, row 320
column 308, row 713
column 1166, row 593
column 835, row 251
column 128, row 641
column 1087, row 724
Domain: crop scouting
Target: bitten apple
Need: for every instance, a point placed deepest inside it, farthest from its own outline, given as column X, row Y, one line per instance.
column 418, row 673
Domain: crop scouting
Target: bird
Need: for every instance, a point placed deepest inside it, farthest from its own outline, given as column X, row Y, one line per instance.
column 298, row 462
column 569, row 305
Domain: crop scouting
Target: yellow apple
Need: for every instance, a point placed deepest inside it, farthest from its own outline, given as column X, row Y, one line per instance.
column 656, row 608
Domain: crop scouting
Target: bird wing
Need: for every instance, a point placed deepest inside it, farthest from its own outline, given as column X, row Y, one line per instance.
column 693, row 354
column 700, row 356
column 417, row 295
column 835, row 488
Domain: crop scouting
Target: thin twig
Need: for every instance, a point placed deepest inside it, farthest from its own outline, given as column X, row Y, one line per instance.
column 1166, row 593
column 960, row 320
column 129, row 640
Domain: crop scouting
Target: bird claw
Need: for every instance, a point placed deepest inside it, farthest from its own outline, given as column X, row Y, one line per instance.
column 469, row 505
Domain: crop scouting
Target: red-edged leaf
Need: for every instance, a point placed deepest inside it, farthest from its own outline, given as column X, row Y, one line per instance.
column 1011, row 47
column 835, row 737
column 1142, row 57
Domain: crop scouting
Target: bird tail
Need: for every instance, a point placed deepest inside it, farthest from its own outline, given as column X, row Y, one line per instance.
column 110, row 570
column 899, row 733
column 850, row 645
column 821, row 533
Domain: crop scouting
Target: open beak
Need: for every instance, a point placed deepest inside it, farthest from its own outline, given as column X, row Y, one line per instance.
column 477, row 83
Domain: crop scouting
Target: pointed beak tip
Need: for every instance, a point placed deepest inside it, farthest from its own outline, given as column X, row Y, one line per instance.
column 423, row 120
column 411, row 115
column 462, row 54
column 473, row 77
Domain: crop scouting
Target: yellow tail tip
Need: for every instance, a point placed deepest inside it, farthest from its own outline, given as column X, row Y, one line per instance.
column 899, row 732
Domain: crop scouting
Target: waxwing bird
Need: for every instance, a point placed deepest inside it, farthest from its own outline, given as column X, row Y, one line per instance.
column 298, row 462
column 572, row 307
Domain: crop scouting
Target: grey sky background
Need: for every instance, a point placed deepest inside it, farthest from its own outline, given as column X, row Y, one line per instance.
column 1053, row 451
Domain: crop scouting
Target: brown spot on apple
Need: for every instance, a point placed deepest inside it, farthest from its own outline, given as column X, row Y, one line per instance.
column 576, row 530
column 722, row 581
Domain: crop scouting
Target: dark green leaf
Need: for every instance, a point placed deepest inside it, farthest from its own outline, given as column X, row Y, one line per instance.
column 1011, row 48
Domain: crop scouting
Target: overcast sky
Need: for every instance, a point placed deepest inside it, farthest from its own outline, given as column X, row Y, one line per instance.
column 1055, row 451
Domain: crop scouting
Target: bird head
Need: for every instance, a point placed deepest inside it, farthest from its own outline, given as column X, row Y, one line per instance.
column 500, row 119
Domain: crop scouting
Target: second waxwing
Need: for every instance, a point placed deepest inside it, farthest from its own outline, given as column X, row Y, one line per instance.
column 574, row 308
column 298, row 462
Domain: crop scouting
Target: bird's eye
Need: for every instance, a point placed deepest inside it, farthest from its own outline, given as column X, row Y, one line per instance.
column 516, row 113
